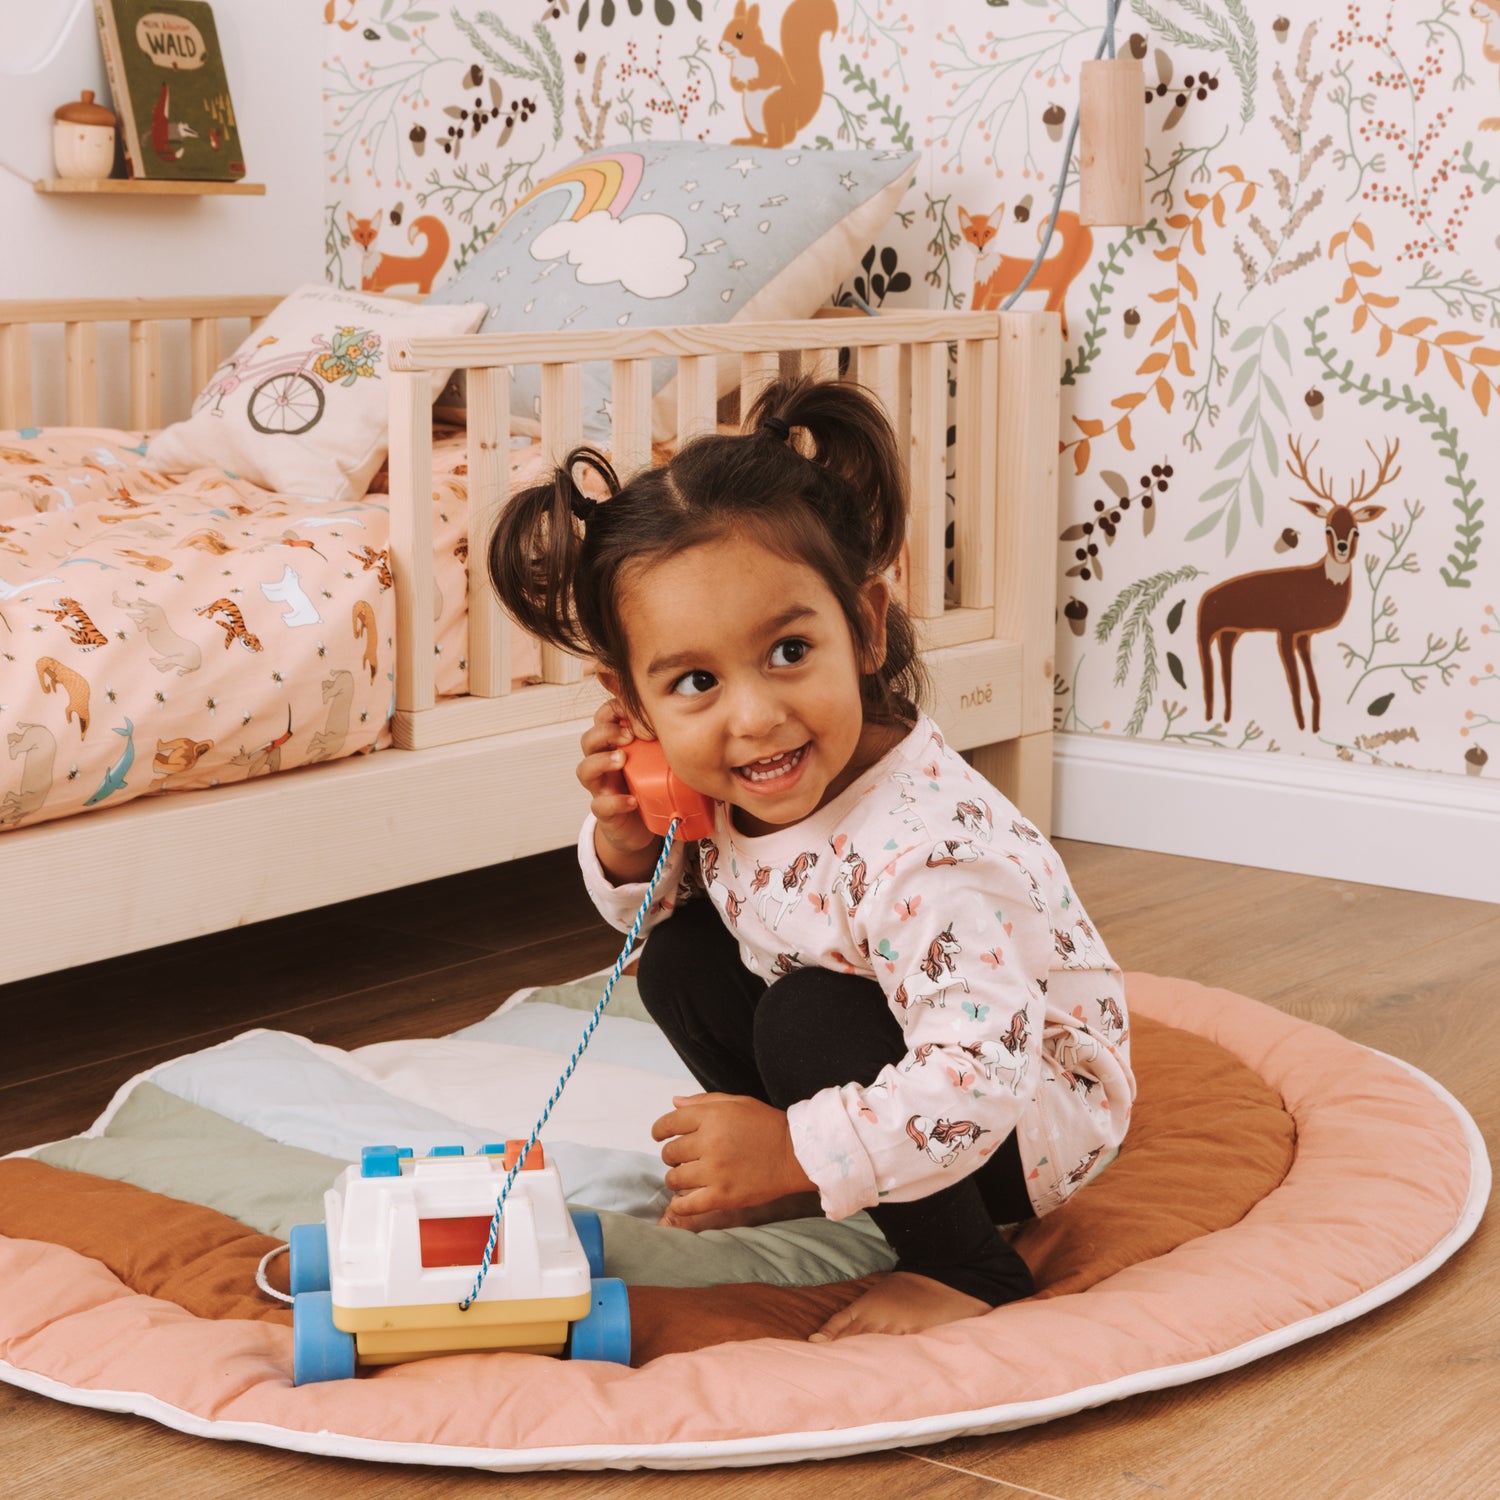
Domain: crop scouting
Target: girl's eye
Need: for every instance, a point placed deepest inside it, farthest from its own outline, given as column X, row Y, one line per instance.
column 691, row 684
column 788, row 653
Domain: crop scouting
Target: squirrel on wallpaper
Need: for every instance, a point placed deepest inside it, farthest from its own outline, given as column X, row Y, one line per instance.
column 996, row 274
column 379, row 272
column 782, row 90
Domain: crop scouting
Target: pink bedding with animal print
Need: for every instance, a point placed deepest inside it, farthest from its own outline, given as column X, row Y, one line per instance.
column 171, row 632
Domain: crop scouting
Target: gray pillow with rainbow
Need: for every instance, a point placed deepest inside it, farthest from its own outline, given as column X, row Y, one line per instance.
column 653, row 233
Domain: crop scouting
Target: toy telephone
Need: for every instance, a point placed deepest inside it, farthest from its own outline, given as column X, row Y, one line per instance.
column 662, row 795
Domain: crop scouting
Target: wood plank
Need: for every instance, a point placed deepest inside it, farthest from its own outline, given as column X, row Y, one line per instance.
column 203, row 341
column 697, row 396
column 145, row 375
column 974, row 508
column 145, row 187
column 411, row 537
column 1026, row 499
column 929, row 488
column 562, row 431
column 81, row 341
column 583, row 344
column 489, row 651
column 15, row 375
column 955, row 626
column 630, row 429
column 133, row 309
column 456, row 721
column 757, row 371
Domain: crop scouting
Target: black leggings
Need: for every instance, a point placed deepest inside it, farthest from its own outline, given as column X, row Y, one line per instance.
column 816, row 1029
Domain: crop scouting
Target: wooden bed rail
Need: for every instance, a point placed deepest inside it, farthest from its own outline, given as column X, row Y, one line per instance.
column 1003, row 483
column 81, row 321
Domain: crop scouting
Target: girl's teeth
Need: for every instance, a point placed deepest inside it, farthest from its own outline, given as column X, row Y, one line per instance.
column 775, row 765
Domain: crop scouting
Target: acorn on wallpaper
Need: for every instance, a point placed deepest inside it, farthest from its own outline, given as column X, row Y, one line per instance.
column 1054, row 117
column 1474, row 760
column 1314, row 400
column 1132, row 322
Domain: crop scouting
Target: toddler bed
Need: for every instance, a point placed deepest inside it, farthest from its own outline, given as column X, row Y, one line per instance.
column 399, row 639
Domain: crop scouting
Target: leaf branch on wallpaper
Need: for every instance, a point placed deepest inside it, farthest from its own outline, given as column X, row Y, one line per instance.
column 1215, row 734
column 1464, row 556
column 365, row 108
column 1181, row 155
column 1253, row 425
column 1344, row 97
column 1200, row 397
column 1462, row 295
column 593, row 130
column 465, row 195
column 1179, row 330
column 543, row 65
column 1472, row 362
column 1291, row 125
column 1095, row 313
column 1134, row 605
column 980, row 96
column 1429, row 191
column 866, row 31
column 886, row 109
column 1237, row 43
column 335, row 242
column 1482, row 172
column 1438, row 655
column 945, row 239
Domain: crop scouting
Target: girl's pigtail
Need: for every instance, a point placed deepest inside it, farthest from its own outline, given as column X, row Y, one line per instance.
column 851, row 437
column 538, row 553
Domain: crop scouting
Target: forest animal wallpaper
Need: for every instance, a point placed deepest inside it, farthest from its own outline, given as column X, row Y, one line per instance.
column 1279, row 391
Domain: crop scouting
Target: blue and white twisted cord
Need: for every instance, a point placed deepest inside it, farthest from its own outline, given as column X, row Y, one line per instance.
column 588, row 1031
column 1106, row 44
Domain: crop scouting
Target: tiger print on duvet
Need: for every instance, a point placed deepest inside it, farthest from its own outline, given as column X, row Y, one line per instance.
column 922, row 876
column 163, row 633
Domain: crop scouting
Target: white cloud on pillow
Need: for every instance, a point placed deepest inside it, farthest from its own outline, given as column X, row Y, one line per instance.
column 643, row 253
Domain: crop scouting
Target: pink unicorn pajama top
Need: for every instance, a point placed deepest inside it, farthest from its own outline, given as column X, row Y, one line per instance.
column 926, row 879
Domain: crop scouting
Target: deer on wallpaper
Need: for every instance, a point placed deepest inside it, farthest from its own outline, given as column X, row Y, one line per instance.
column 1294, row 603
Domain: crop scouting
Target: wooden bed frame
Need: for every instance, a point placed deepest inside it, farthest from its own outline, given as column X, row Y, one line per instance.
column 488, row 777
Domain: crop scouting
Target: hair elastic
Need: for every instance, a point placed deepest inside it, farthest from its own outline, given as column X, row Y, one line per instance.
column 583, row 507
column 778, row 426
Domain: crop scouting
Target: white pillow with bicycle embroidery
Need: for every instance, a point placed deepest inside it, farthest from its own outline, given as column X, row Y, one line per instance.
column 301, row 407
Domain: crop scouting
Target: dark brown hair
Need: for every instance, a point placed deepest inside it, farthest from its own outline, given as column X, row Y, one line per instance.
column 815, row 476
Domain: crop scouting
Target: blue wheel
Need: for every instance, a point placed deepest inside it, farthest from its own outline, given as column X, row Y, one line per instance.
column 308, row 1252
column 591, row 1232
column 604, row 1333
column 320, row 1351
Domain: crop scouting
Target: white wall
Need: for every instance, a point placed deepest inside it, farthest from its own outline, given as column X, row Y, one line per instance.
column 118, row 246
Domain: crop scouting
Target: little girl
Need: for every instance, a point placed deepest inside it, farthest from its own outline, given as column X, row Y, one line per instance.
column 876, row 967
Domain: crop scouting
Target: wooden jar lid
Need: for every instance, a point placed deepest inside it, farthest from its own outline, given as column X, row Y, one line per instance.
column 85, row 112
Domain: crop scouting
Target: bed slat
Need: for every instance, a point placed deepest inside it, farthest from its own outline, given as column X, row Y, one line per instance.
column 204, row 344
column 489, row 653
column 630, row 429
column 757, row 371
column 697, row 395
column 929, row 446
column 411, row 536
column 562, row 431
column 974, row 473
column 15, row 375
column 81, row 340
column 145, row 374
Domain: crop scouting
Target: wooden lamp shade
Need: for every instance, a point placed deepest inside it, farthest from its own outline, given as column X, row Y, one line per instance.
column 1112, row 138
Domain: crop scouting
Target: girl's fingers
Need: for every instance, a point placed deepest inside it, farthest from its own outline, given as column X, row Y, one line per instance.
column 608, row 806
column 603, row 769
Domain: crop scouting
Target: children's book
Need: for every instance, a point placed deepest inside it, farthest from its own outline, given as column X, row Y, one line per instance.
column 166, row 73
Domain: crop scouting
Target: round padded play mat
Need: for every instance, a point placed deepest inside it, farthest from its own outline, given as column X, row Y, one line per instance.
column 1278, row 1181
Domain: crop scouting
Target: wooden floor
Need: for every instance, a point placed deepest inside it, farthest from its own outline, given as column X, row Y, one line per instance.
column 1400, row 1404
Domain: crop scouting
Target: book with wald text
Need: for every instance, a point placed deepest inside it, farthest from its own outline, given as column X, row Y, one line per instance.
column 166, row 73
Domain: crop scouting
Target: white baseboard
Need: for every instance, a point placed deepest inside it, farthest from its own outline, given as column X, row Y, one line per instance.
column 1411, row 830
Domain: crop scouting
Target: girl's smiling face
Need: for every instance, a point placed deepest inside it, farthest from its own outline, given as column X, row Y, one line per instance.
column 747, row 673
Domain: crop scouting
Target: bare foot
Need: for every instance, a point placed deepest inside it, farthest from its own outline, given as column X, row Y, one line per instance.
column 903, row 1303
column 795, row 1206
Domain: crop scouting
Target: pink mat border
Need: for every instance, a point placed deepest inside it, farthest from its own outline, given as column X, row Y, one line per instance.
column 1380, row 1145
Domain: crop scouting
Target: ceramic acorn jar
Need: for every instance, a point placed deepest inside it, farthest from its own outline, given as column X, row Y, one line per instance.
column 83, row 138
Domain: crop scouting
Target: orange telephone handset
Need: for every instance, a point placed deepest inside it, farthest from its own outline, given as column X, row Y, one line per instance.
column 662, row 795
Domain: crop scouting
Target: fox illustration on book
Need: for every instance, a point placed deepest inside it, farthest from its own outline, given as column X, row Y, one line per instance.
column 379, row 271
column 167, row 134
column 996, row 274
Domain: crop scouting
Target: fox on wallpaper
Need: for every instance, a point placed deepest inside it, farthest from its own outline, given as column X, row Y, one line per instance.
column 379, row 271
column 996, row 274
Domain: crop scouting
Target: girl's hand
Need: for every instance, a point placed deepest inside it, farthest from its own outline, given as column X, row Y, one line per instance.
column 727, row 1151
column 627, row 849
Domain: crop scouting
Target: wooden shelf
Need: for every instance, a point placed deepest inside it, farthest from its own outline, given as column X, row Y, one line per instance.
column 146, row 186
